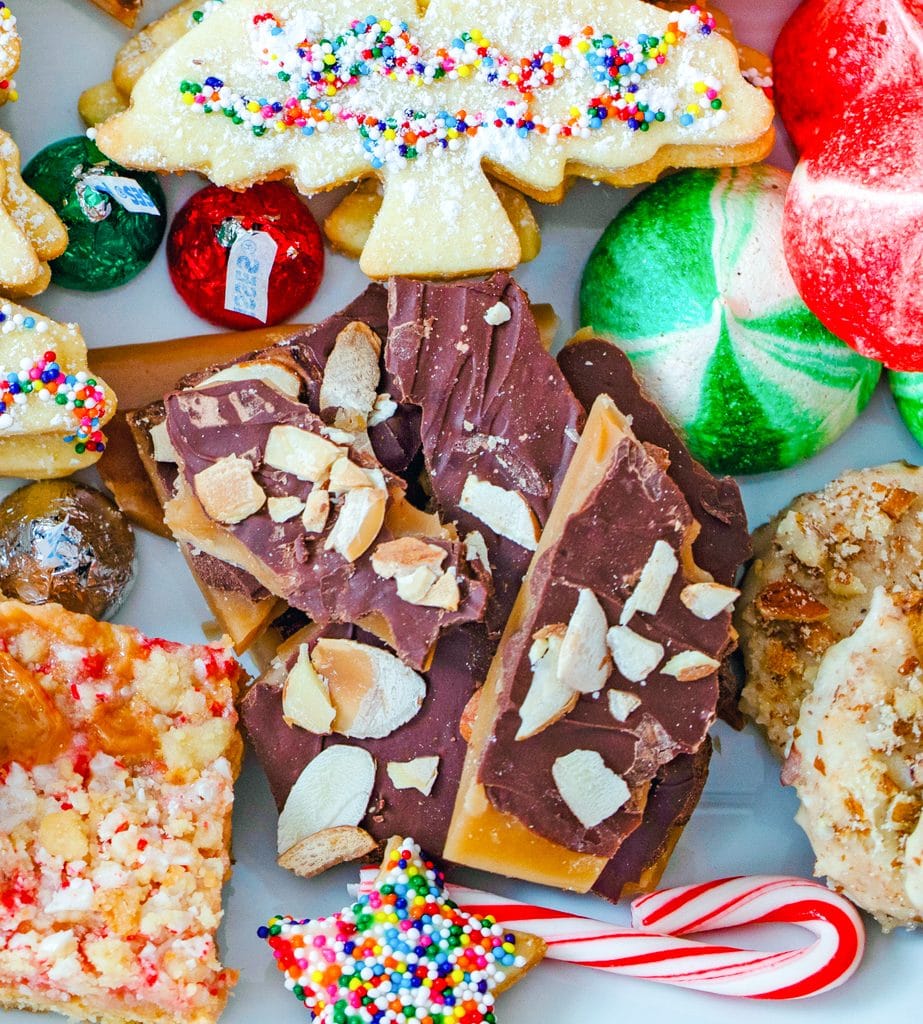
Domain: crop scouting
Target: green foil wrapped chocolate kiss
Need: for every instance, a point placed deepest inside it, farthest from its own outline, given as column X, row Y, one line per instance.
column 690, row 280
column 109, row 243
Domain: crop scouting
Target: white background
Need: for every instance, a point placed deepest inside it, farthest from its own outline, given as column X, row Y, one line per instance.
column 744, row 823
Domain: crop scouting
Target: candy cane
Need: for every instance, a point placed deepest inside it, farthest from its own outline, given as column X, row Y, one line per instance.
column 653, row 948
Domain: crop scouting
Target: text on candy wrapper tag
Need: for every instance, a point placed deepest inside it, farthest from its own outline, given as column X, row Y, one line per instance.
column 250, row 263
column 126, row 192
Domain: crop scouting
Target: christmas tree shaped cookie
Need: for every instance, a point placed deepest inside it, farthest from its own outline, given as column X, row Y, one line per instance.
column 30, row 231
column 324, row 93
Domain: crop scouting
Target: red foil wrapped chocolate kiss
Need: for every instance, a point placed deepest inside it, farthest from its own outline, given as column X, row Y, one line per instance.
column 245, row 259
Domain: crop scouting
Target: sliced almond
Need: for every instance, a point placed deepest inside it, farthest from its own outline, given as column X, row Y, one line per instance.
column 444, row 593
column 305, row 455
column 622, row 704
column 316, row 511
column 279, row 377
column 420, row 773
column 334, row 789
column 325, row 849
column 591, row 790
column 358, row 522
column 507, row 513
column 706, row 600
column 476, row 549
column 653, row 583
column 468, row 716
column 548, row 698
column 799, row 536
column 634, row 656
column 282, row 509
column 228, row 491
column 346, row 475
column 690, row 665
column 413, row 587
column 499, row 313
column 404, row 556
column 163, row 446
column 306, row 697
column 584, row 663
column 384, row 408
column 373, row 692
column 352, row 371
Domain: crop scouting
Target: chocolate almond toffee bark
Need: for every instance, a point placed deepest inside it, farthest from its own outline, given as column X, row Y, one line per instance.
column 595, row 366
column 499, row 423
column 607, row 670
column 242, row 606
column 308, row 510
column 491, row 381
column 320, row 684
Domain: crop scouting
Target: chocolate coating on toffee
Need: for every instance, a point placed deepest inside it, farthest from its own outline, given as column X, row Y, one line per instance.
column 605, row 545
column 593, row 367
column 212, row 422
column 494, row 404
column 460, row 662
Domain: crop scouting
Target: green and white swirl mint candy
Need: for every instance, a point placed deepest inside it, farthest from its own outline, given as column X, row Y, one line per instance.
column 907, row 389
column 690, row 280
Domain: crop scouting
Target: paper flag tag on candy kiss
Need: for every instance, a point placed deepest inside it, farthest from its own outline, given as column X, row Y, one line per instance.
column 655, row 947
column 614, row 90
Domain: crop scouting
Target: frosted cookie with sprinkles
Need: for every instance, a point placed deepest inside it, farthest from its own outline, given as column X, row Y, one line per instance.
column 402, row 952
column 690, row 280
column 815, row 568
column 330, row 94
column 10, row 47
column 117, row 760
column 53, row 411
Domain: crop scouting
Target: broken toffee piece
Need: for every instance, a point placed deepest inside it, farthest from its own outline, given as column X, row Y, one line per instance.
column 615, row 609
column 417, row 764
column 499, row 423
column 594, row 366
column 266, row 485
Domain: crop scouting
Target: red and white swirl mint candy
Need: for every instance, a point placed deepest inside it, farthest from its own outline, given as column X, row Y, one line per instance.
column 655, row 947
column 832, row 53
column 853, row 228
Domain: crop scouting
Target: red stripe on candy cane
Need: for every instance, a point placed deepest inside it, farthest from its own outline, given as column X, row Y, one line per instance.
column 654, row 947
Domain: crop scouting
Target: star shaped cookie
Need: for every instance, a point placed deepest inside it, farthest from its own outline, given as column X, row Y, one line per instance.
column 403, row 952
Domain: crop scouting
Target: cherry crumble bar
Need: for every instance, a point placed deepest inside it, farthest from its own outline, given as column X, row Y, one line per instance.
column 117, row 760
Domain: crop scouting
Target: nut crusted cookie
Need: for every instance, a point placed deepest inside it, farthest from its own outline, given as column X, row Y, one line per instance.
column 469, row 77
column 857, row 761
column 117, row 760
column 815, row 567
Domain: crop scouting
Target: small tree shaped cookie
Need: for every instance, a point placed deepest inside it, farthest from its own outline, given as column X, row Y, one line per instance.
column 30, row 231
column 313, row 89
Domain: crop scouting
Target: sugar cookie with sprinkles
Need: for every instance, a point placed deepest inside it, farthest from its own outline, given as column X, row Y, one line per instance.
column 720, row 337
column 10, row 47
column 328, row 94
column 31, row 233
column 402, row 952
column 52, row 409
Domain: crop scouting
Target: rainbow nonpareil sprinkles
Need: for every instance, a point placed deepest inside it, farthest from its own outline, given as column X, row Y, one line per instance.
column 320, row 74
column 43, row 380
column 9, row 57
column 402, row 953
